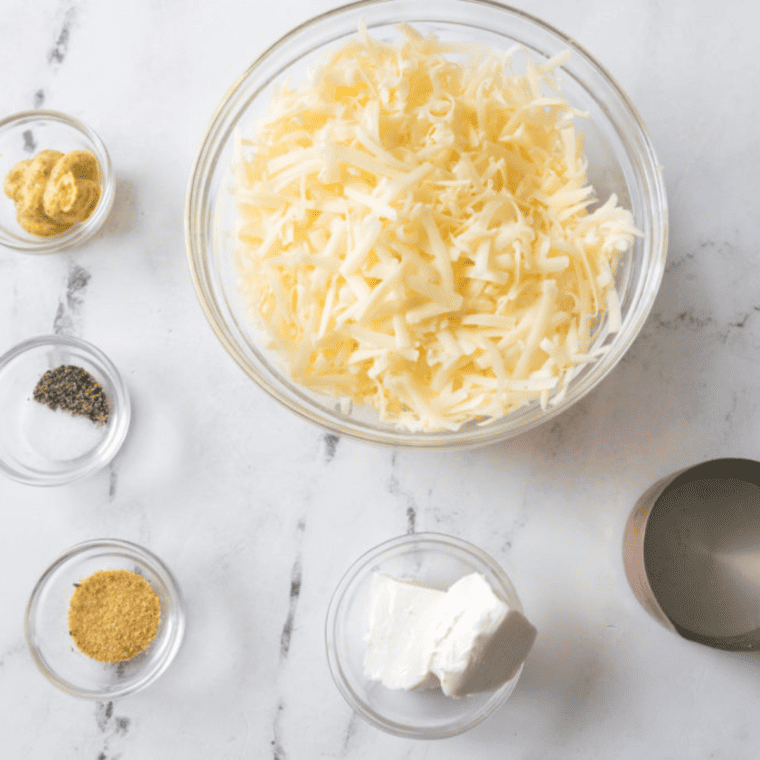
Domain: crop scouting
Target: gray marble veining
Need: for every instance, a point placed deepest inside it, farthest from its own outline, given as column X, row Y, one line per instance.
column 259, row 514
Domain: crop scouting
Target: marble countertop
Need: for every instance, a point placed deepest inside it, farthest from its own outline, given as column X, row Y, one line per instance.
column 259, row 513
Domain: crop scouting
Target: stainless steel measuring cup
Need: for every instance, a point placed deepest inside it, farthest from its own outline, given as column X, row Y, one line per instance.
column 691, row 550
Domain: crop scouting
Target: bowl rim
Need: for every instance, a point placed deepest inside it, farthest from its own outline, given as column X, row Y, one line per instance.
column 203, row 168
column 118, row 426
column 430, row 540
column 141, row 556
column 79, row 233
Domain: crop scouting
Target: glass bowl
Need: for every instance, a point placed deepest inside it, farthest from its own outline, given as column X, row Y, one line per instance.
column 22, row 136
column 438, row 561
column 43, row 447
column 621, row 160
column 47, row 630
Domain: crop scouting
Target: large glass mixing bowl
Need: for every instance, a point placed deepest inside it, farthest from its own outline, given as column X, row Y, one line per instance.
column 621, row 160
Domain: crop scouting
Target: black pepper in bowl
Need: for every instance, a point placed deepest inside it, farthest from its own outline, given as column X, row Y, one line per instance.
column 73, row 390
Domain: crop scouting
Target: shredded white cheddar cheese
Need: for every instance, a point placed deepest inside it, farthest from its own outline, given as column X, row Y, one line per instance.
column 415, row 235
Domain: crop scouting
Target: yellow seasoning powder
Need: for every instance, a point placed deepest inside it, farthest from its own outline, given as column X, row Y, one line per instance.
column 113, row 615
column 54, row 190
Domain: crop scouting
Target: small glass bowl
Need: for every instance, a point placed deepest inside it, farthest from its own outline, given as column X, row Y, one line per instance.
column 47, row 630
column 438, row 561
column 22, row 136
column 42, row 447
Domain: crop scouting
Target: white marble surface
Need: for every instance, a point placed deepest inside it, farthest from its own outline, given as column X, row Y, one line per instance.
column 259, row 514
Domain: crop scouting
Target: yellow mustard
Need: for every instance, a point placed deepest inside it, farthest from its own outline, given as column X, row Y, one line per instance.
column 53, row 190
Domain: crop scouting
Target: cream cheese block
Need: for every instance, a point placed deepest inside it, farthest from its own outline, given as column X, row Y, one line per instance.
column 402, row 613
column 478, row 642
column 463, row 640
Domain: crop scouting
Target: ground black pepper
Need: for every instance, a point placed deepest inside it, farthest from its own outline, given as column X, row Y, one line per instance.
column 74, row 390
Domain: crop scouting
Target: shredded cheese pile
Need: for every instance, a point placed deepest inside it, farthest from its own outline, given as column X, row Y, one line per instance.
column 414, row 232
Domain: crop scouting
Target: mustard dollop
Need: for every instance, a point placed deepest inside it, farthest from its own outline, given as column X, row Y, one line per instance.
column 54, row 190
